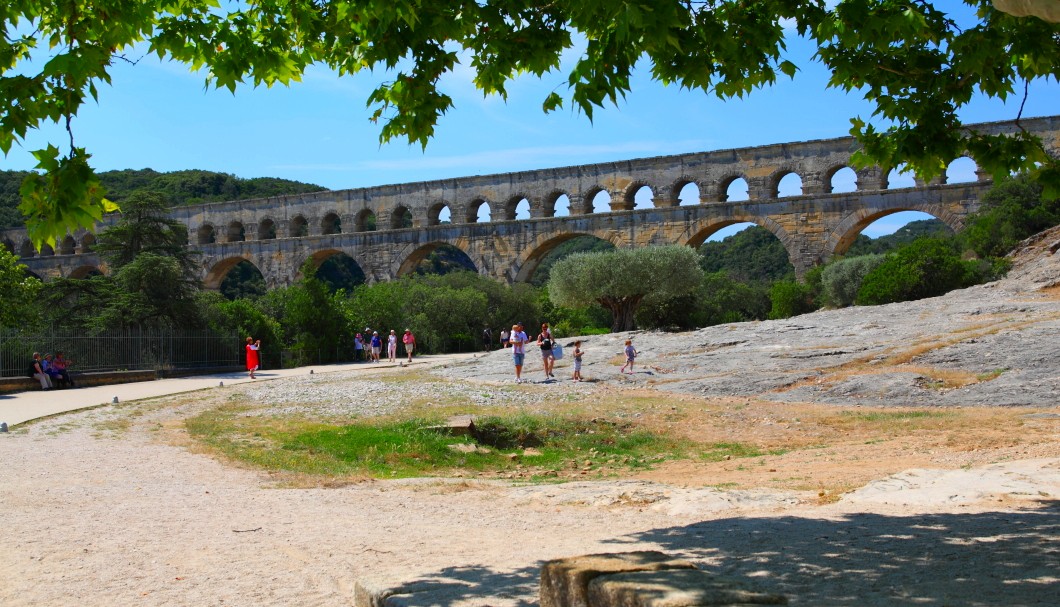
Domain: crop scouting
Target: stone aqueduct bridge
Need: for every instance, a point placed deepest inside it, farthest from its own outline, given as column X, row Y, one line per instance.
column 279, row 234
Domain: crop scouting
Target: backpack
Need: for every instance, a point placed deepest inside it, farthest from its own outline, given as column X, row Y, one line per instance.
column 32, row 370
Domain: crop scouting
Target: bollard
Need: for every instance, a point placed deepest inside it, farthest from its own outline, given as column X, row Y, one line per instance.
column 310, row 371
column 222, row 384
column 115, row 401
column 3, row 427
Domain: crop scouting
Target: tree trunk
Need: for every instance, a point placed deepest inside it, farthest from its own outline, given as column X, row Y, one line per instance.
column 622, row 310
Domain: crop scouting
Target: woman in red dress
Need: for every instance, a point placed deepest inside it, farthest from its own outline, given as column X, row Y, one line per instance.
column 252, row 355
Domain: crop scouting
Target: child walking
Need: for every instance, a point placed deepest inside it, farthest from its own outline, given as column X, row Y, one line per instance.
column 578, row 361
column 631, row 355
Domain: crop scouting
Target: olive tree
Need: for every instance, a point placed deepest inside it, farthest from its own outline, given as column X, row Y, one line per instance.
column 622, row 279
column 918, row 62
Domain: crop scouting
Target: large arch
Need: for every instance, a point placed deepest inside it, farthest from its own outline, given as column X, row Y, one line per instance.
column 337, row 268
column 10, row 246
column 26, row 249
column 698, row 232
column 411, row 256
column 846, row 232
column 85, row 271
column 217, row 272
column 242, row 280
column 535, row 251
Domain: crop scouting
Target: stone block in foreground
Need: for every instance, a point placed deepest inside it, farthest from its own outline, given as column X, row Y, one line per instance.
column 565, row 582
column 681, row 588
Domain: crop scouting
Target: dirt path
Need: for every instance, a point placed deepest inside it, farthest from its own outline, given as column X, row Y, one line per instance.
column 854, row 499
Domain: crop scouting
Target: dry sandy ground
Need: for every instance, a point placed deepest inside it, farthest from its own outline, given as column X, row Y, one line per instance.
column 115, row 506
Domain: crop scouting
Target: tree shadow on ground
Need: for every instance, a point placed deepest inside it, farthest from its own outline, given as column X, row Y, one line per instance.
column 991, row 558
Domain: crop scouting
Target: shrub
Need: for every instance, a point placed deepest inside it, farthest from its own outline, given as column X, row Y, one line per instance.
column 924, row 268
column 790, row 298
column 841, row 280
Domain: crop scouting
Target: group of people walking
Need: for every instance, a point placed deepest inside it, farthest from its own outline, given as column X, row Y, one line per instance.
column 368, row 348
column 51, row 371
column 371, row 347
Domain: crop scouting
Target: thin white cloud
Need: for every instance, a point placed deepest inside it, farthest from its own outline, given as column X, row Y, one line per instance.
column 503, row 160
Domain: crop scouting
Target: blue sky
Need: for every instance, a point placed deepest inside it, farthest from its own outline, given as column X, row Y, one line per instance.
column 159, row 115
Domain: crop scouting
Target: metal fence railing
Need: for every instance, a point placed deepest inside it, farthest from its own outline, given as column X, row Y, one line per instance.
column 121, row 350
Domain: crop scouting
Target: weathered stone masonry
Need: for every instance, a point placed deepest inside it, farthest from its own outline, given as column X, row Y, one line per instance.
column 279, row 234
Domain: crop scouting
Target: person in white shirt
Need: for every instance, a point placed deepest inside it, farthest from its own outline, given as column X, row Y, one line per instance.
column 518, row 341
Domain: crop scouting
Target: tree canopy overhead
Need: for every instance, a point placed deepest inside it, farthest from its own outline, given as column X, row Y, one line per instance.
column 918, row 62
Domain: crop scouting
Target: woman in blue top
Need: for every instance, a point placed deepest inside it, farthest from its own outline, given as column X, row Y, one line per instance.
column 377, row 346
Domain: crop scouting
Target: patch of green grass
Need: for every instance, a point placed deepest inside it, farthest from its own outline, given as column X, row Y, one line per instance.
column 537, row 444
column 720, row 451
column 894, row 416
column 989, row 375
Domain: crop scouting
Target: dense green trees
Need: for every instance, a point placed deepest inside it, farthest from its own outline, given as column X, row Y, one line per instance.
column 178, row 187
column 18, row 291
column 1012, row 210
column 919, row 63
column 752, row 255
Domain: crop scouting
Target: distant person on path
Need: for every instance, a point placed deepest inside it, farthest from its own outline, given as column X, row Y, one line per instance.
column 391, row 346
column 544, row 341
column 518, row 339
column 358, row 347
column 36, row 371
column 377, row 346
column 505, row 337
column 578, row 352
column 631, row 355
column 253, row 359
column 60, row 364
column 487, row 339
column 410, row 342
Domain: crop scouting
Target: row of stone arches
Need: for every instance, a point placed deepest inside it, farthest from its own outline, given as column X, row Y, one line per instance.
column 735, row 187
column 527, row 262
column 67, row 246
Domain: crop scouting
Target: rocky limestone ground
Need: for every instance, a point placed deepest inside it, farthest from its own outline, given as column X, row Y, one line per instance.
column 957, row 503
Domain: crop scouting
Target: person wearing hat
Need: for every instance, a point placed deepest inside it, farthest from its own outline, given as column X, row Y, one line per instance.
column 377, row 346
column 410, row 342
column 518, row 341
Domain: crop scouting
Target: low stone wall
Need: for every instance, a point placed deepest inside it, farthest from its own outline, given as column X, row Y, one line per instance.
column 104, row 378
